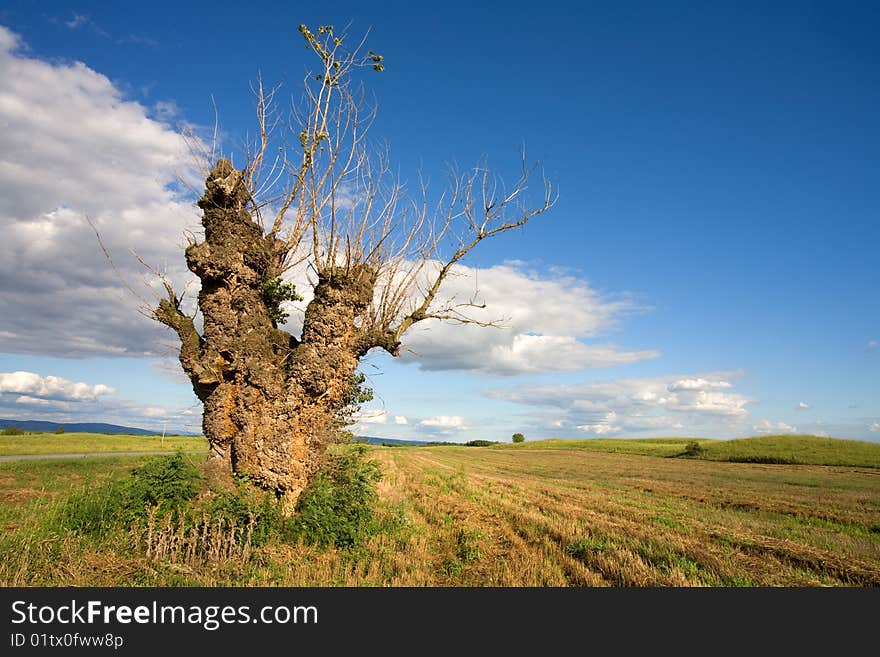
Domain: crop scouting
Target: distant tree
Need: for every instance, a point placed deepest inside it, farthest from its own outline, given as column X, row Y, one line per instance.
column 60, row 429
column 518, row 438
column 322, row 195
column 12, row 431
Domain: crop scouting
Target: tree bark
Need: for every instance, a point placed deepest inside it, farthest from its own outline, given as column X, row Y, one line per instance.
column 269, row 399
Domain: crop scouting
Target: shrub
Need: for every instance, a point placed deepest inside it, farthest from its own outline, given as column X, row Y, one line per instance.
column 693, row 448
column 518, row 438
column 12, row 431
column 60, row 429
column 480, row 443
column 338, row 507
column 246, row 506
column 163, row 484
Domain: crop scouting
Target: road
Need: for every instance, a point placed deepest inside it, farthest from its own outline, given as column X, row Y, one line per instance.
column 27, row 457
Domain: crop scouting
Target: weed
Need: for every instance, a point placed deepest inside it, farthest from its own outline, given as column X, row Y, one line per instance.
column 693, row 448
column 338, row 507
column 165, row 482
column 583, row 547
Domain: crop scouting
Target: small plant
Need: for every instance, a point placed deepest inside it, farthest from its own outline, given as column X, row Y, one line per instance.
column 338, row 507
column 518, row 438
column 275, row 292
column 582, row 548
column 163, row 484
column 247, row 506
column 693, row 448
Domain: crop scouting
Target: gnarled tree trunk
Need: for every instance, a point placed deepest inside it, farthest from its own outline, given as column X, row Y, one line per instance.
column 269, row 398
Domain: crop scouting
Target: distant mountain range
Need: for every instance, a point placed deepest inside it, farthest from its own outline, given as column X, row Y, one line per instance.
column 74, row 427
column 102, row 427
column 373, row 440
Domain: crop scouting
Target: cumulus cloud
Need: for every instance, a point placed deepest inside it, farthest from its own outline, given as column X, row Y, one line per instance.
column 371, row 417
column 765, row 426
column 874, row 426
column 29, row 395
column 605, row 426
column 872, row 345
column 444, row 422
column 645, row 405
column 802, row 406
column 73, row 147
column 696, row 384
column 30, row 384
column 544, row 321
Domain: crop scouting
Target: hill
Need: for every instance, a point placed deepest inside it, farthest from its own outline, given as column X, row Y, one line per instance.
column 391, row 442
column 793, row 450
column 75, row 427
column 789, row 449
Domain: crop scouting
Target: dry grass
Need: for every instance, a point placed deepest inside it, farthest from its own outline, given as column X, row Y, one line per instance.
column 456, row 516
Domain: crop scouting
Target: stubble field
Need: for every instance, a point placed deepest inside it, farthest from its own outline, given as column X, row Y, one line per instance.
column 537, row 514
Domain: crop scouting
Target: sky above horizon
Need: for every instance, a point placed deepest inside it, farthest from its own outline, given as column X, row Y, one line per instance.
column 710, row 268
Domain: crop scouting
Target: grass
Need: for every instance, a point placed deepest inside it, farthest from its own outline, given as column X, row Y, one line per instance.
column 788, row 449
column 86, row 443
column 536, row 514
column 641, row 446
column 784, row 449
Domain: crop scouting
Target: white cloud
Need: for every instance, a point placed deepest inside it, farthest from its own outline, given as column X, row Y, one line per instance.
column 872, row 345
column 802, row 406
column 765, row 426
column 372, row 417
column 27, row 400
column 77, row 21
column 444, row 422
column 638, row 406
column 605, row 426
column 33, row 385
column 71, row 147
column 874, row 426
column 400, row 419
column 544, row 322
column 29, row 396
column 696, row 384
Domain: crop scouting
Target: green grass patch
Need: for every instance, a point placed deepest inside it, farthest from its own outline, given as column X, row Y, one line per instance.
column 783, row 450
column 583, row 547
column 794, row 450
column 637, row 446
column 85, row 443
column 163, row 484
column 339, row 506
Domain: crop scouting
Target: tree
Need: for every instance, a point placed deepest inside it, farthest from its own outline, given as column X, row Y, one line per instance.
column 59, row 429
column 377, row 264
column 518, row 438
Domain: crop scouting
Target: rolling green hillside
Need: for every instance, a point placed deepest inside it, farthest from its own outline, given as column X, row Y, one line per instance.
column 794, row 450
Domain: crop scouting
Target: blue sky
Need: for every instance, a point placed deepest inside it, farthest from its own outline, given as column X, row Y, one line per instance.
column 710, row 268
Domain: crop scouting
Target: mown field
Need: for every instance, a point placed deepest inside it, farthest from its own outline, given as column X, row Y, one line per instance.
column 537, row 514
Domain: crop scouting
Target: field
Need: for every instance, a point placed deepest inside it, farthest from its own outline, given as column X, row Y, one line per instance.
column 548, row 513
column 88, row 443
